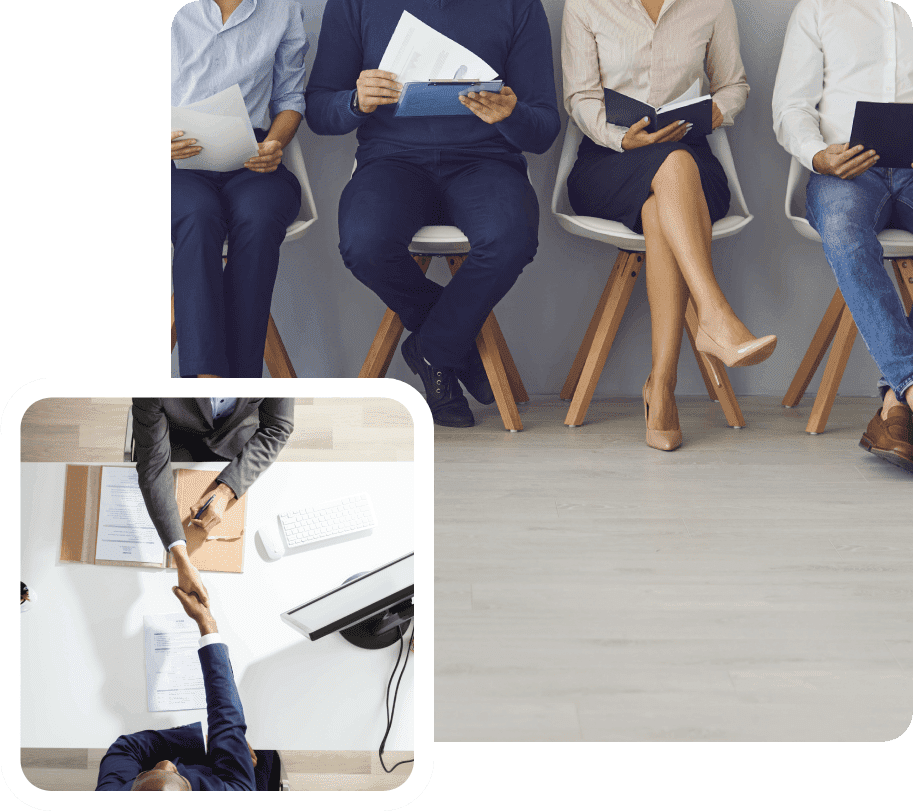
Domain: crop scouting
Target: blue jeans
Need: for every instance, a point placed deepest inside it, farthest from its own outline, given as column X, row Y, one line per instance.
column 848, row 214
column 221, row 315
column 488, row 198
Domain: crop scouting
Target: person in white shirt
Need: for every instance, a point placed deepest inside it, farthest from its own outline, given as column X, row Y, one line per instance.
column 667, row 185
column 838, row 52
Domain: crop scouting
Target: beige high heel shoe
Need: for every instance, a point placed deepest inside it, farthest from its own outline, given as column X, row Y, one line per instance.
column 654, row 437
column 747, row 353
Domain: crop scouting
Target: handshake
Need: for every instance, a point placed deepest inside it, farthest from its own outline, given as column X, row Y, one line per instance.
column 197, row 610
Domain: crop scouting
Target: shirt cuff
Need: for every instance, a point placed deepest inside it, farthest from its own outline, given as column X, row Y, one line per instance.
column 180, row 542
column 209, row 639
column 808, row 151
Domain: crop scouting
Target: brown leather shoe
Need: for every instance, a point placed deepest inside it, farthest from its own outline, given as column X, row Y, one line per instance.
column 890, row 439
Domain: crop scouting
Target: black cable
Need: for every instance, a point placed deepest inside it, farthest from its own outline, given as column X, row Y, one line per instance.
column 391, row 709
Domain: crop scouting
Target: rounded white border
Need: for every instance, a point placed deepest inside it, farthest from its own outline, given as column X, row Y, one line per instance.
column 423, row 458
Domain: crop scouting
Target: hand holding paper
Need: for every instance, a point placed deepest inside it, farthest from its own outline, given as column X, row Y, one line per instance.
column 376, row 87
column 185, row 148
column 491, row 107
column 222, row 123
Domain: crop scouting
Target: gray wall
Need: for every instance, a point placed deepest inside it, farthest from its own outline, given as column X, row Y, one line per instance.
column 776, row 281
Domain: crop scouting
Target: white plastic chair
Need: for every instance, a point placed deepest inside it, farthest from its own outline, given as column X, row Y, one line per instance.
column 274, row 354
column 451, row 243
column 837, row 324
column 591, row 357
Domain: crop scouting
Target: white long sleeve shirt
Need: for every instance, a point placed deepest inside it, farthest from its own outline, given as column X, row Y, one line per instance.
column 836, row 53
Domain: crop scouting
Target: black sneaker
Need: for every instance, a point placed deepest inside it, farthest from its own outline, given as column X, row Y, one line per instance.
column 475, row 380
column 442, row 391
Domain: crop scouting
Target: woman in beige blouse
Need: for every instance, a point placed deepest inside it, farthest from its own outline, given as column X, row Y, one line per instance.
column 667, row 185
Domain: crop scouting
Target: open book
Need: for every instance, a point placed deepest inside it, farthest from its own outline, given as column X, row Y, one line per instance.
column 625, row 111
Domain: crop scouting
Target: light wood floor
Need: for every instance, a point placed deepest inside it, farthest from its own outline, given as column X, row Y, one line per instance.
column 753, row 585
column 77, row 770
column 326, row 430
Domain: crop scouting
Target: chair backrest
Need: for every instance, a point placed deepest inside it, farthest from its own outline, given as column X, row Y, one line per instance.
column 294, row 161
column 717, row 140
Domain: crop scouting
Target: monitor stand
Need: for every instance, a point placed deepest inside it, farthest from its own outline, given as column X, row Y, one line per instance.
column 380, row 630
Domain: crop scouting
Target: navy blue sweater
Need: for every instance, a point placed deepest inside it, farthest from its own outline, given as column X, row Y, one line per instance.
column 510, row 35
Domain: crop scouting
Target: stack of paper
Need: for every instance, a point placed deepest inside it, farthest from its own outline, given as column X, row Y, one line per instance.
column 221, row 125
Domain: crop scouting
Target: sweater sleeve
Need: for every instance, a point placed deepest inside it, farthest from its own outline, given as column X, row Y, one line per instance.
column 337, row 65
column 534, row 123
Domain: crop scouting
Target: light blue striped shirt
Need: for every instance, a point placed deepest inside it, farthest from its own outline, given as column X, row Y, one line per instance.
column 261, row 48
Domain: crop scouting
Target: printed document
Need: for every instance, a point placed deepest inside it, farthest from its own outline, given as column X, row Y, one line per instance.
column 418, row 53
column 221, row 126
column 174, row 677
column 125, row 530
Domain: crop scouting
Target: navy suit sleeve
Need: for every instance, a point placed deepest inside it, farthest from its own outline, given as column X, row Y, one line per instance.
column 337, row 65
column 534, row 123
column 140, row 751
column 229, row 757
column 276, row 415
column 153, row 467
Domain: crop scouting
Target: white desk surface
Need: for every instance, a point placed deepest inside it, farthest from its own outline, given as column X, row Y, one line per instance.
column 83, row 677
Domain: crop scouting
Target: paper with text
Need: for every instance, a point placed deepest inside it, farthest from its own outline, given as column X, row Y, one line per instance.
column 221, row 126
column 125, row 530
column 174, row 677
column 418, row 53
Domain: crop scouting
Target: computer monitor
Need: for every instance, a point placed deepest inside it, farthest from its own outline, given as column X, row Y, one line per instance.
column 370, row 610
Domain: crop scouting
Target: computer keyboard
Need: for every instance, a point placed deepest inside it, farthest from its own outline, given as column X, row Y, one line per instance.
column 331, row 519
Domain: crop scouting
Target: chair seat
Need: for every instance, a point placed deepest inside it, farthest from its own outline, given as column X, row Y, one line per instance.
column 625, row 239
column 895, row 242
column 439, row 240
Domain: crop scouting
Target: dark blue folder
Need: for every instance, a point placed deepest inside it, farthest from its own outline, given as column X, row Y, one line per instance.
column 885, row 127
column 439, row 98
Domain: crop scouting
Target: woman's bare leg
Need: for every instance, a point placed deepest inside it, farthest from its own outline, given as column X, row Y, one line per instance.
column 667, row 295
column 686, row 224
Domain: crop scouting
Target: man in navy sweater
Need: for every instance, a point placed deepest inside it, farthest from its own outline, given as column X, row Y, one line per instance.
column 177, row 759
column 467, row 171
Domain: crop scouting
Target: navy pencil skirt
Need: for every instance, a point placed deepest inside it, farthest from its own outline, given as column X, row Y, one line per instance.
column 615, row 185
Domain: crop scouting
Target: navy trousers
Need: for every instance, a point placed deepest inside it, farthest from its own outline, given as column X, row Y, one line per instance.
column 221, row 314
column 489, row 199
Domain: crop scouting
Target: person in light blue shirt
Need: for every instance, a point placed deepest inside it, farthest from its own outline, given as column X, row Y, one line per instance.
column 221, row 315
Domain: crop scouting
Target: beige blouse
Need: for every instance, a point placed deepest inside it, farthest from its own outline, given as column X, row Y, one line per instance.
column 614, row 44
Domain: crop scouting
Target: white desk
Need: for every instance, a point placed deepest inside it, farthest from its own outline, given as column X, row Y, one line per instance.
column 83, row 677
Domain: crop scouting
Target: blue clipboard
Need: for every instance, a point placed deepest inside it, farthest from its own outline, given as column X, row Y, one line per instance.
column 441, row 98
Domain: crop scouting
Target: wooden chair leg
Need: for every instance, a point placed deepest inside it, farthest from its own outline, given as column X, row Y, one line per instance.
column 174, row 332
column 903, row 273
column 600, row 334
column 387, row 338
column 817, row 349
column 714, row 373
column 574, row 374
column 834, row 370
column 274, row 353
column 518, row 390
column 495, row 364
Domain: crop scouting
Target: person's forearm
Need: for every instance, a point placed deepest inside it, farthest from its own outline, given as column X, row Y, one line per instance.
column 207, row 626
column 284, row 127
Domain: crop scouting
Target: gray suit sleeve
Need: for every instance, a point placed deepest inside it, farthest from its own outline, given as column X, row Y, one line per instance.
column 153, row 466
column 261, row 450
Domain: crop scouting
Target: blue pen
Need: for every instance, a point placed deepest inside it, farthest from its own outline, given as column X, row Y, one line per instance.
column 203, row 508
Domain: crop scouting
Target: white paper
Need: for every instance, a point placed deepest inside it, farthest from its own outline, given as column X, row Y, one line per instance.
column 691, row 95
column 174, row 677
column 125, row 530
column 418, row 53
column 221, row 126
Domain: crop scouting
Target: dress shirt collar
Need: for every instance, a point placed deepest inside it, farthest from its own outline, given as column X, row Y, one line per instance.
column 663, row 10
column 239, row 15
